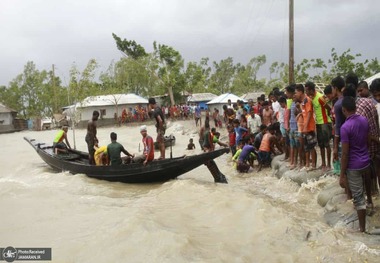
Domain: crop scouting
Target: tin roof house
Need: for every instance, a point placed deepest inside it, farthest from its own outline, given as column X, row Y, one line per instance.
column 108, row 106
column 7, row 117
column 221, row 100
column 200, row 99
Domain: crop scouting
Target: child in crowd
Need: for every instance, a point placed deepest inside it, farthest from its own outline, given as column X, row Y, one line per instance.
column 267, row 113
column 259, row 136
column 299, row 119
column 191, row 145
column 278, row 138
column 239, row 130
column 293, row 128
column 266, row 148
column 232, row 138
column 245, row 160
column 215, row 139
column 235, row 157
column 281, row 119
column 308, row 127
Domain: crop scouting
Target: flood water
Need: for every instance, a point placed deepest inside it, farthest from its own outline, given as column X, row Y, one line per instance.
column 254, row 218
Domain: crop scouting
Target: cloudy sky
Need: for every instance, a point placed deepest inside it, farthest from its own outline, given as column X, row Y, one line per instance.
column 63, row 32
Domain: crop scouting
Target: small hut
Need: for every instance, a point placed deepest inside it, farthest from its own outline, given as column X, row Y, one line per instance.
column 252, row 95
column 7, row 117
column 108, row 106
column 221, row 100
column 200, row 99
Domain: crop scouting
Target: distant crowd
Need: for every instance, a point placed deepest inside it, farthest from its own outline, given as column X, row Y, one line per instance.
column 140, row 113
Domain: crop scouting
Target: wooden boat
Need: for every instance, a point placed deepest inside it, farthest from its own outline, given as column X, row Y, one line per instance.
column 76, row 162
column 168, row 140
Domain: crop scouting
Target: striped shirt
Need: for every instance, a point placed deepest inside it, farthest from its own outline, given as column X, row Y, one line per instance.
column 365, row 108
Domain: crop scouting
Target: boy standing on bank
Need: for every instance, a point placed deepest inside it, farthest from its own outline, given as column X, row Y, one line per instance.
column 308, row 129
column 324, row 126
column 355, row 162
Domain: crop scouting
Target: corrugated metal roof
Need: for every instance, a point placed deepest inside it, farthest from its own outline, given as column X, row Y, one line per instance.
column 107, row 100
column 372, row 78
column 5, row 109
column 224, row 99
column 252, row 95
column 197, row 97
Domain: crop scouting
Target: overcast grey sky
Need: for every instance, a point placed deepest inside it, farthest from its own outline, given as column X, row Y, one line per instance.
column 66, row 31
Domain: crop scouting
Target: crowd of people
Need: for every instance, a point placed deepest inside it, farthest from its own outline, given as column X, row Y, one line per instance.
column 176, row 112
column 343, row 120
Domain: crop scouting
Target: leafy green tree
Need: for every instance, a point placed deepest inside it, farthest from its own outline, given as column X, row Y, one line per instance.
column 35, row 93
column 129, row 47
column 301, row 71
column 138, row 75
column 222, row 76
column 373, row 67
column 245, row 79
column 54, row 95
column 82, row 84
column 170, row 66
column 196, row 76
column 26, row 92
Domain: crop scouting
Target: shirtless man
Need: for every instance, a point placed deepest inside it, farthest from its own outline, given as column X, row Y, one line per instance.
column 267, row 114
column 91, row 138
column 160, row 126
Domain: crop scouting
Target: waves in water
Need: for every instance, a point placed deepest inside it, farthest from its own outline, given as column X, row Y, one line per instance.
column 255, row 218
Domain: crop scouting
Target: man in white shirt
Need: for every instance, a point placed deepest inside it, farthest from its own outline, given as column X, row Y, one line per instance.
column 229, row 104
column 253, row 122
column 275, row 106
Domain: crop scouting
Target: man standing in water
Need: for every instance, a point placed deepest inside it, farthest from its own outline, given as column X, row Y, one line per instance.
column 91, row 138
column 160, row 125
column 355, row 162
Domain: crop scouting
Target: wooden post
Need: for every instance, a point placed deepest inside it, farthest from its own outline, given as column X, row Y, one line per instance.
column 291, row 42
column 55, row 108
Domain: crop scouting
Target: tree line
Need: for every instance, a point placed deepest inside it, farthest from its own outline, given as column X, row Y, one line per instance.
column 40, row 93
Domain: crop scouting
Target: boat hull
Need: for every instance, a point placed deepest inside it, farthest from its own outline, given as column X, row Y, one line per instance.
column 156, row 171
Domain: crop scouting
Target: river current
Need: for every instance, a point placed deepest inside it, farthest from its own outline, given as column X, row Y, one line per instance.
column 254, row 218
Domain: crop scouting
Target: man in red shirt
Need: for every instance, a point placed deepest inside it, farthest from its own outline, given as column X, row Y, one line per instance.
column 148, row 152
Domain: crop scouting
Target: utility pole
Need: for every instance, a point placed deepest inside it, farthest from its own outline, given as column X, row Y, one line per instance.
column 291, row 42
column 54, row 90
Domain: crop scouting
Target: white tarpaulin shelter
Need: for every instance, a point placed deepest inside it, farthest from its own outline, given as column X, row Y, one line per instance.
column 107, row 105
column 221, row 100
column 109, row 100
column 372, row 78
